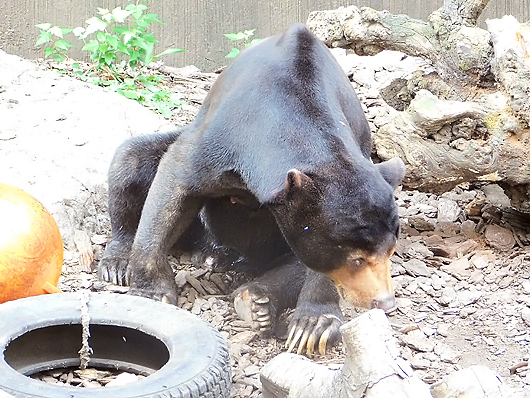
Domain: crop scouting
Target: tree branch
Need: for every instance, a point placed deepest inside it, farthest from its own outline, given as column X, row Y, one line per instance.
column 459, row 53
column 463, row 12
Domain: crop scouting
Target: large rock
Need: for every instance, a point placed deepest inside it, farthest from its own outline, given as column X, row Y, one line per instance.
column 58, row 136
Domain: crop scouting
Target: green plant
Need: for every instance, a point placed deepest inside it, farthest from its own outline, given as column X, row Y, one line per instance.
column 120, row 51
column 245, row 36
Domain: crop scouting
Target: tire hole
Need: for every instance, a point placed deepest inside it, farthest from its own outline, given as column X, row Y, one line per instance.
column 114, row 347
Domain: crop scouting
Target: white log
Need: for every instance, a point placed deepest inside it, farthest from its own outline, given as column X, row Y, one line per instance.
column 511, row 62
column 373, row 368
column 474, row 382
column 459, row 50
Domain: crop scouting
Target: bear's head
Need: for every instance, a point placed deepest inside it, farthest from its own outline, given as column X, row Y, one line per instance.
column 343, row 222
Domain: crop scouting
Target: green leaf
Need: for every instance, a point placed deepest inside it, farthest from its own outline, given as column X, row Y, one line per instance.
column 103, row 11
column 58, row 57
column 148, row 37
column 49, row 51
column 129, row 94
column 138, row 10
column 149, row 52
column 65, row 31
column 63, row 45
column 44, row 37
column 152, row 18
column 127, row 36
column 91, row 46
column 78, row 32
column 143, row 24
column 254, row 41
column 101, row 36
column 234, row 36
column 113, row 41
column 76, row 65
column 56, row 31
column 123, row 48
column 239, row 35
column 44, row 26
column 94, row 25
column 120, row 15
column 169, row 51
column 109, row 57
column 233, row 53
column 120, row 29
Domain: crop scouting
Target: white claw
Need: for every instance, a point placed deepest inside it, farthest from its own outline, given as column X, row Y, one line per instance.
column 303, row 342
column 311, row 344
column 324, row 340
column 291, row 334
column 295, row 339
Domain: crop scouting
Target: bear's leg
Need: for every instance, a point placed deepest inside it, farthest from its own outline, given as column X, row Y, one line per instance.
column 261, row 301
column 172, row 204
column 317, row 317
column 131, row 173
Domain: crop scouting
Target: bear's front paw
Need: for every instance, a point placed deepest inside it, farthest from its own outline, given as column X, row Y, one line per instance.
column 113, row 265
column 317, row 326
column 253, row 304
column 157, row 287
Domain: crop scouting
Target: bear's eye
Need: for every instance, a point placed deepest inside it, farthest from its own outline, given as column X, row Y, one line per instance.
column 356, row 262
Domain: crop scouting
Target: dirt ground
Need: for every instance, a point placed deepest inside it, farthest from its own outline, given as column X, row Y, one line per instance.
column 462, row 275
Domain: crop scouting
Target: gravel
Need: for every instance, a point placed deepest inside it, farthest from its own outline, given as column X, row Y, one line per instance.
column 461, row 272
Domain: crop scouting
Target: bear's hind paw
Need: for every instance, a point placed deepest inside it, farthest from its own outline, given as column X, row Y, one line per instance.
column 254, row 307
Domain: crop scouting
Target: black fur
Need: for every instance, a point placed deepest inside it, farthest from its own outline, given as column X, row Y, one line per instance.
column 275, row 171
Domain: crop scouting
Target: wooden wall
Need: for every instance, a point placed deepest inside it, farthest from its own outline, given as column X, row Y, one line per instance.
column 198, row 25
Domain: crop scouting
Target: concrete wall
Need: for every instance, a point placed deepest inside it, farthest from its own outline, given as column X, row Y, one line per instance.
column 198, row 25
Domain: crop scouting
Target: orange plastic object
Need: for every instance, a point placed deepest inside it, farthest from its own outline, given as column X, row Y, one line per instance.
column 31, row 247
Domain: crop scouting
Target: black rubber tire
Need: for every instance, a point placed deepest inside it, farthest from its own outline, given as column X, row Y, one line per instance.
column 184, row 356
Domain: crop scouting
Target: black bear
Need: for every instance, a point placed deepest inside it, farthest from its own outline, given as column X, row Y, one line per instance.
column 275, row 173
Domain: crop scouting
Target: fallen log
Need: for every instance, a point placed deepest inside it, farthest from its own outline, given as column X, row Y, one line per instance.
column 372, row 369
column 468, row 121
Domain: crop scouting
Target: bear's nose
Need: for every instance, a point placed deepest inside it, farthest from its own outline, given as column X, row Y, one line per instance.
column 384, row 302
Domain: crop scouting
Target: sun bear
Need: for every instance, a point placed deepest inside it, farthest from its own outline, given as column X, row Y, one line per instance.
column 275, row 173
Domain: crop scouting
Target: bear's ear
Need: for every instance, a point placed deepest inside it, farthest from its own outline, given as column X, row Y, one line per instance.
column 296, row 180
column 392, row 170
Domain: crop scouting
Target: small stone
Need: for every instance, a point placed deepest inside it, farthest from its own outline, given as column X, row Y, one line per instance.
column 496, row 196
column 525, row 315
column 422, row 223
column 466, row 311
column 459, row 267
column 417, row 341
column 483, row 259
column 499, row 238
column 403, row 302
column 443, row 329
column 418, row 250
column 417, row 362
column 448, row 295
column 466, row 297
column 180, row 278
column 48, row 380
column 526, row 287
column 448, row 210
column 243, row 337
column 445, row 353
column 251, row 370
column 417, row 268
